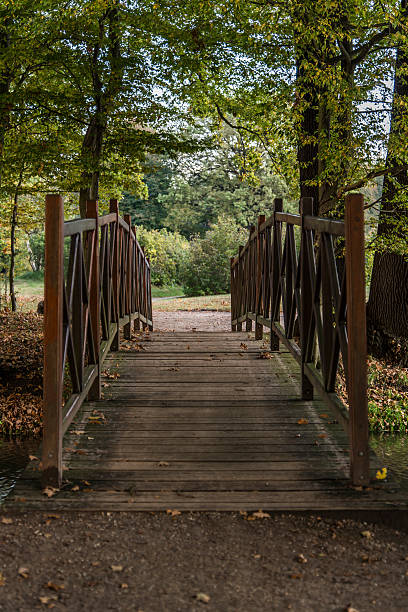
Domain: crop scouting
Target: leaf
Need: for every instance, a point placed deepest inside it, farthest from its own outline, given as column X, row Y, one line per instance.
column 381, row 474
column 243, row 346
column 46, row 599
column 258, row 515
column 117, row 568
column 266, row 355
column 367, row 534
column 124, row 585
column 163, row 464
column 23, row 572
column 2, row 580
column 173, row 512
column 54, row 587
column 301, row 558
column 50, row 491
column 6, row 521
column 33, row 458
column 203, row 597
column 75, row 488
column 303, row 422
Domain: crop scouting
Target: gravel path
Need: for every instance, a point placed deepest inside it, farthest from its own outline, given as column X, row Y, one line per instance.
column 155, row 561
column 184, row 320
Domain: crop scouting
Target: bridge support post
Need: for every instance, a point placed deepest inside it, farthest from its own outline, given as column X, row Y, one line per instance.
column 53, row 341
column 114, row 208
column 136, row 322
column 233, row 280
column 306, row 297
column 357, row 339
column 259, row 254
column 94, row 295
column 275, row 273
column 127, row 332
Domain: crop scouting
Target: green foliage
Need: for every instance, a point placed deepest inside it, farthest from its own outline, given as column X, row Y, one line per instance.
column 36, row 245
column 167, row 252
column 207, row 268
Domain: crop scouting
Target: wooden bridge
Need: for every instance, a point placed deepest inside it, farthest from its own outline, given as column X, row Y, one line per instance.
column 206, row 420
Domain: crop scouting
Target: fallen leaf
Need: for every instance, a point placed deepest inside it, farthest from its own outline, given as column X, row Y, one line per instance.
column 258, row 515
column 303, row 422
column 173, row 512
column 6, row 521
column 2, row 580
column 116, row 568
column 381, row 474
column 301, row 558
column 350, row 609
column 367, row 534
column 203, row 597
column 46, row 599
column 75, row 488
column 54, row 587
column 266, row 355
column 243, row 346
column 50, row 491
column 124, row 585
column 296, row 576
column 163, row 464
column 33, row 458
column 23, row 572
column 324, row 416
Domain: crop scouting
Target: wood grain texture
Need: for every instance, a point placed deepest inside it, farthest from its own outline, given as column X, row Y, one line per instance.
column 178, row 439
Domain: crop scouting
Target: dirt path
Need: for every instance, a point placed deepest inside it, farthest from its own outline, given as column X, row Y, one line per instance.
column 155, row 561
column 184, row 320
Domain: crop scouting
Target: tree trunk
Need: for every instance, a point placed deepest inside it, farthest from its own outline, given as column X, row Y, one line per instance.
column 387, row 308
column 13, row 254
column 4, row 91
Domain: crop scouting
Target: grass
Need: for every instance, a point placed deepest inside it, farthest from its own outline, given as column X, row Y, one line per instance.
column 219, row 303
column 163, row 292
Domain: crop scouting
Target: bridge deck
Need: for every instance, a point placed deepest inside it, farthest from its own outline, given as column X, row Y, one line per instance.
column 198, row 421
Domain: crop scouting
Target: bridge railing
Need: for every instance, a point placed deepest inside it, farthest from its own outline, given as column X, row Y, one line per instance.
column 97, row 279
column 303, row 277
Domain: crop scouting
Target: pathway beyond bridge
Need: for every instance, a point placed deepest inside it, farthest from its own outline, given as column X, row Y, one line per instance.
column 200, row 420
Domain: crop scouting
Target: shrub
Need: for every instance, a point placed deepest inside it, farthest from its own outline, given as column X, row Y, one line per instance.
column 167, row 252
column 207, row 267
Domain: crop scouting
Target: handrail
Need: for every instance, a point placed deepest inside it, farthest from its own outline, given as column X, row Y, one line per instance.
column 288, row 278
column 103, row 284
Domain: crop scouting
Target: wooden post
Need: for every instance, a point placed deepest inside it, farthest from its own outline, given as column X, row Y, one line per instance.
column 233, row 294
column 114, row 208
column 275, row 273
column 144, row 267
column 306, row 297
column 357, row 339
column 258, row 326
column 239, row 289
column 127, row 328
column 136, row 323
column 53, row 339
column 94, row 296
column 149, row 296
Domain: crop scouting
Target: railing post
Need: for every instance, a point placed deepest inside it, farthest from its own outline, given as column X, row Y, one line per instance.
column 239, row 289
column 306, row 297
column 114, row 208
column 250, row 279
column 149, row 295
column 275, row 273
column 136, row 323
column 127, row 327
column 94, row 296
column 258, row 326
column 233, row 294
column 53, row 340
column 357, row 339
column 144, row 325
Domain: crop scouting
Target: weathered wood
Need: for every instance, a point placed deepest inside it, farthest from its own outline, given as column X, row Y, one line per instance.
column 94, row 289
column 53, row 299
column 357, row 338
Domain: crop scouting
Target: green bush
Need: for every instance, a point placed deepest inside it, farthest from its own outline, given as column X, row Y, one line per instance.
column 207, row 267
column 167, row 252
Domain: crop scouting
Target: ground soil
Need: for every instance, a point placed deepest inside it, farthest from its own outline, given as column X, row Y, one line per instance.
column 184, row 320
column 155, row 561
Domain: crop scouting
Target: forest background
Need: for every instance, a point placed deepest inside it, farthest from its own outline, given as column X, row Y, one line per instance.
column 195, row 115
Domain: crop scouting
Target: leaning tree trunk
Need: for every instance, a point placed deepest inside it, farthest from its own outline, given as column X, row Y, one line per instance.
column 13, row 255
column 387, row 308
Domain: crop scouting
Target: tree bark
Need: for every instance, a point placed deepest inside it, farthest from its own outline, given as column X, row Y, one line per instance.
column 13, row 253
column 387, row 308
column 4, row 91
